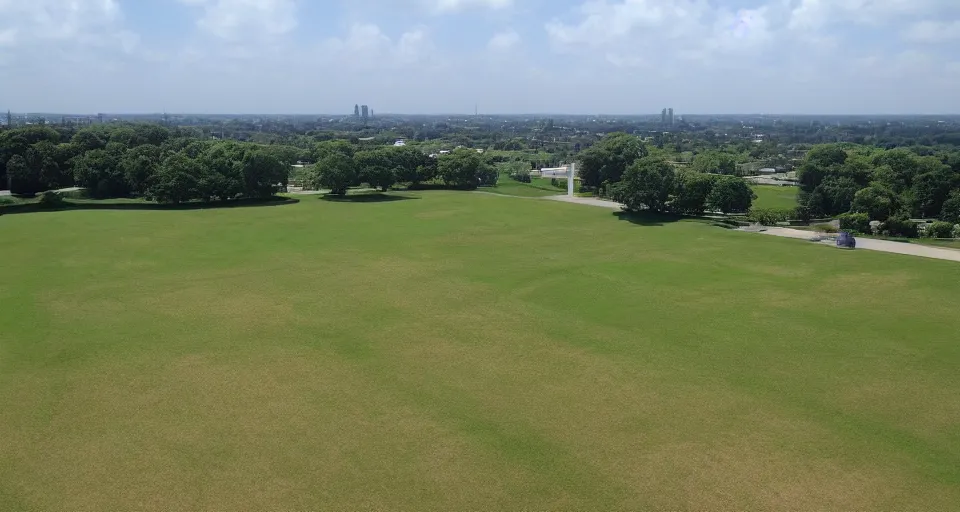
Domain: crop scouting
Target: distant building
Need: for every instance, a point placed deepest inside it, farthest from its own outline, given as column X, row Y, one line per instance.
column 663, row 117
column 365, row 112
column 670, row 116
column 356, row 111
column 400, row 143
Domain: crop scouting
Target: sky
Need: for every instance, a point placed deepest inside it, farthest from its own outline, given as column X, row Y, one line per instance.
column 502, row 56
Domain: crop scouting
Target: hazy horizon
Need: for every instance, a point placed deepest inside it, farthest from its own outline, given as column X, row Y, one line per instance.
column 512, row 57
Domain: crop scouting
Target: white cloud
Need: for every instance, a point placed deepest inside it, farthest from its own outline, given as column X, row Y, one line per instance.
column 932, row 31
column 246, row 19
column 366, row 46
column 456, row 5
column 32, row 21
column 504, row 41
column 815, row 14
column 634, row 33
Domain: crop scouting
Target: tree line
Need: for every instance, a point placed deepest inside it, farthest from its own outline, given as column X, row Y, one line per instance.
column 620, row 166
column 864, row 183
column 341, row 165
column 144, row 160
column 153, row 162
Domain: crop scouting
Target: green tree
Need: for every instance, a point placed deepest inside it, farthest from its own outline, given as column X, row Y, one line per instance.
column 715, row 162
column 932, row 187
column 88, row 140
column 730, row 194
column 902, row 165
column 609, row 159
column 223, row 176
column 376, row 167
column 335, row 171
column 878, row 201
column 820, row 161
column 262, row 173
column 176, row 180
column 461, row 169
column 100, row 173
column 406, row 161
column 140, row 165
column 951, row 209
column 693, row 188
column 326, row 148
column 23, row 179
column 834, row 195
column 647, row 184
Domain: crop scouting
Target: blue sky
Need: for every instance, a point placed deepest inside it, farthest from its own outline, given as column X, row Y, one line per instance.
column 508, row 56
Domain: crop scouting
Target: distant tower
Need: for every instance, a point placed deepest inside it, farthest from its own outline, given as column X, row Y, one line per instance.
column 663, row 117
column 356, row 111
column 9, row 119
column 364, row 112
column 670, row 116
column 100, row 116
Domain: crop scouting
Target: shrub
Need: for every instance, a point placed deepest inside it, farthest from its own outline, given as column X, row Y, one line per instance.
column 956, row 231
column 803, row 213
column 770, row 216
column 939, row 230
column 521, row 176
column 51, row 200
column 899, row 225
column 825, row 228
column 855, row 222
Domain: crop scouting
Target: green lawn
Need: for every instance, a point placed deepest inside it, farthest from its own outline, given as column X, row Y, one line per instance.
column 538, row 187
column 769, row 196
column 461, row 351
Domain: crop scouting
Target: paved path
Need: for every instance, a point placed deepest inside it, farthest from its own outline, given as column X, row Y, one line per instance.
column 870, row 244
column 589, row 201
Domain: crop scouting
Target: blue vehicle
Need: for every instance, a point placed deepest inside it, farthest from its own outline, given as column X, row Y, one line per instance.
column 846, row 241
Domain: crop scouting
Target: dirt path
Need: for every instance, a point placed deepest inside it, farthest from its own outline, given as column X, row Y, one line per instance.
column 940, row 253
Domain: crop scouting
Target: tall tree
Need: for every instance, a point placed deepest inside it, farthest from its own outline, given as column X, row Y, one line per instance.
column 176, row 180
column 335, row 171
column 462, row 168
column 647, row 184
column 730, row 194
column 607, row 160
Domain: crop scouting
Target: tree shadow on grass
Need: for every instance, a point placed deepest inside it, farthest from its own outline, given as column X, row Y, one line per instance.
column 366, row 198
column 647, row 218
column 107, row 204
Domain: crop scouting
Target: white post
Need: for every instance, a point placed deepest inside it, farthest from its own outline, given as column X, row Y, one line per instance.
column 571, row 172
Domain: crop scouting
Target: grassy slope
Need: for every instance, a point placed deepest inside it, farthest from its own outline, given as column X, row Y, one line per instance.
column 538, row 187
column 463, row 351
column 769, row 196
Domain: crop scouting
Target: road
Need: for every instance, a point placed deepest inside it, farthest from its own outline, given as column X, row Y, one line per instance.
column 870, row 244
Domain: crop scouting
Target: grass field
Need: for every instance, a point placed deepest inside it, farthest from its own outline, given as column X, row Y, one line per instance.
column 538, row 187
column 456, row 351
column 769, row 196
